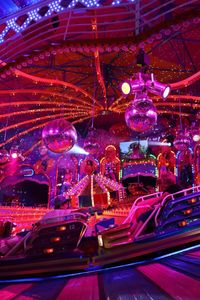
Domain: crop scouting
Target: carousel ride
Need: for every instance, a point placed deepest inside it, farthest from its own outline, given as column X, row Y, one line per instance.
column 146, row 118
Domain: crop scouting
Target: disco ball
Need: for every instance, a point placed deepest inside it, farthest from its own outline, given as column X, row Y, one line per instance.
column 182, row 142
column 91, row 144
column 59, row 135
column 141, row 114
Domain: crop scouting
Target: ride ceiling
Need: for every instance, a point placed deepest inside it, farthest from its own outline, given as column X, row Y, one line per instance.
column 70, row 63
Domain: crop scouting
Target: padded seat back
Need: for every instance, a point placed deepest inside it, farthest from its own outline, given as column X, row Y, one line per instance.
column 55, row 238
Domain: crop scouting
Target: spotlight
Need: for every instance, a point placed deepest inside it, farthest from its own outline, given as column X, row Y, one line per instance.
column 133, row 86
column 14, row 155
column 126, row 88
column 165, row 144
column 157, row 88
column 14, row 152
column 196, row 138
column 138, row 85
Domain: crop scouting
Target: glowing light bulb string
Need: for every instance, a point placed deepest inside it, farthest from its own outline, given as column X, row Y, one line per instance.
column 180, row 115
column 7, row 120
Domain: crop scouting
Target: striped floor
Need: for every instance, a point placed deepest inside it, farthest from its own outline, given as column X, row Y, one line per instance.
column 176, row 277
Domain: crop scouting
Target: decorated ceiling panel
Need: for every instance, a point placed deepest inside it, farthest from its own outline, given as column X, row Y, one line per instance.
column 58, row 62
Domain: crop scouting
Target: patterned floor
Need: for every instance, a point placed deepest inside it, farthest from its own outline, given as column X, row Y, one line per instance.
column 175, row 277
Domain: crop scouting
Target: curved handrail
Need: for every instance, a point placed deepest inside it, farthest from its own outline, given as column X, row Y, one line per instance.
column 140, row 199
column 182, row 193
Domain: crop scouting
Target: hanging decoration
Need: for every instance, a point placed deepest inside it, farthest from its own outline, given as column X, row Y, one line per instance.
column 59, row 135
column 182, row 141
column 91, row 144
column 141, row 115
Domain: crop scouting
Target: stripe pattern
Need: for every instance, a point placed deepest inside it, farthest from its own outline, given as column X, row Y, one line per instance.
column 176, row 277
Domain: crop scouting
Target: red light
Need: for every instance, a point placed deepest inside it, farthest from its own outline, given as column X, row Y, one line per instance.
column 193, row 200
column 55, row 239
column 187, row 211
column 182, row 223
column 48, row 250
column 61, row 228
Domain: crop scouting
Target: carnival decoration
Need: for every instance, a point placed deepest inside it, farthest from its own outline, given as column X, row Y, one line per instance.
column 88, row 166
column 59, row 135
column 182, row 141
column 110, row 163
column 141, row 114
column 91, row 144
column 166, row 161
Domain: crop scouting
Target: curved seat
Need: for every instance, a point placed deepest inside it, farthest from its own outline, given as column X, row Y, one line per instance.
column 179, row 210
column 52, row 238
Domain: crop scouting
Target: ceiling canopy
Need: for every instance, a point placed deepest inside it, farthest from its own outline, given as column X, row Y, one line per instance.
column 69, row 58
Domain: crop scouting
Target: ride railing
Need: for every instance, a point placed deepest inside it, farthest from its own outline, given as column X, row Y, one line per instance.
column 132, row 231
column 183, row 213
column 135, row 206
column 178, row 196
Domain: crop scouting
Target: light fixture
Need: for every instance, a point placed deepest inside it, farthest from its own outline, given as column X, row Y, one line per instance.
column 126, row 88
column 14, row 152
column 143, row 83
column 14, row 155
column 133, row 86
column 157, row 88
column 196, row 138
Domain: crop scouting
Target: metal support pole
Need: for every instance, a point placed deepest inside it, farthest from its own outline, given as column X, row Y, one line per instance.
column 137, row 17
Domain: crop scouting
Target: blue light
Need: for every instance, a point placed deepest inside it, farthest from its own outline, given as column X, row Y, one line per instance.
column 88, row 3
column 12, row 25
column 54, row 7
